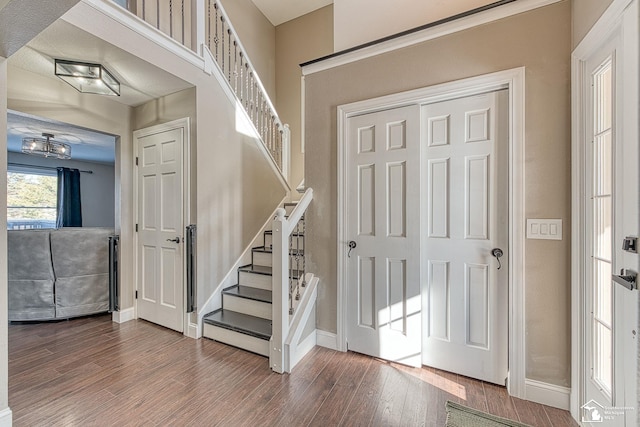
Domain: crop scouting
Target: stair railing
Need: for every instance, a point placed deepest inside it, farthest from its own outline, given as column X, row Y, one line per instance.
column 236, row 67
column 172, row 17
column 288, row 281
column 182, row 20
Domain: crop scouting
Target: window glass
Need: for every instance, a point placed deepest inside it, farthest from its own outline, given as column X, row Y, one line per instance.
column 31, row 200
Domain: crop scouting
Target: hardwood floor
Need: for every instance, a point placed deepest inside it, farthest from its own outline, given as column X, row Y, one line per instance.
column 92, row 372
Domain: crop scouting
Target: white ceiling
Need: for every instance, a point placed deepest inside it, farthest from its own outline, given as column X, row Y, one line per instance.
column 140, row 81
column 85, row 144
column 280, row 11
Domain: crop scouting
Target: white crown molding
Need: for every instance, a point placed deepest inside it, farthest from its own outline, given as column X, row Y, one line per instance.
column 427, row 34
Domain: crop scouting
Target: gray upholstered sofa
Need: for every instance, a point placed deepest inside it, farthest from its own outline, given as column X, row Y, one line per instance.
column 58, row 273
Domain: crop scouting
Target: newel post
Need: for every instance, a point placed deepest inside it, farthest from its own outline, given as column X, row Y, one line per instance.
column 280, row 292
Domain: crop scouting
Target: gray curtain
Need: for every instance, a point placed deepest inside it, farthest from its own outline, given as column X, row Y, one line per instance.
column 69, row 206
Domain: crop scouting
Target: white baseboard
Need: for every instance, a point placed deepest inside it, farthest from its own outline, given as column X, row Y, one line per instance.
column 6, row 418
column 124, row 315
column 193, row 331
column 547, row 394
column 303, row 348
column 327, row 339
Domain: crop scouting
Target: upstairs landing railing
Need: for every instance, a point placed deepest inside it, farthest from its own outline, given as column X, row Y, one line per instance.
column 204, row 22
column 226, row 48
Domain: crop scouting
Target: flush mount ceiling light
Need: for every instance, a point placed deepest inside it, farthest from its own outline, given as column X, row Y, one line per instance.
column 87, row 78
column 46, row 147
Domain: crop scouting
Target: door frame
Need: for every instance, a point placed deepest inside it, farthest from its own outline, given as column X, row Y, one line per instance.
column 514, row 81
column 619, row 17
column 183, row 124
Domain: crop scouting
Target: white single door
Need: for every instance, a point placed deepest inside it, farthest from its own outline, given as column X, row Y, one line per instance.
column 465, row 217
column 160, row 225
column 610, row 209
column 382, row 180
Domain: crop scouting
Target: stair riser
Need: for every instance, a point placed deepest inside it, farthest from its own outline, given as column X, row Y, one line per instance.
column 262, row 258
column 236, row 339
column 260, row 281
column 300, row 243
column 247, row 306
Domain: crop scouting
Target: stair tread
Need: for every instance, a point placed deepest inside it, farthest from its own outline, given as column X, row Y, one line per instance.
column 269, row 250
column 249, row 292
column 261, row 269
column 293, row 234
column 239, row 322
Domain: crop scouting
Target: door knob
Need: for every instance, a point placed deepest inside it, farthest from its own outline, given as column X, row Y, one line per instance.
column 176, row 240
column 352, row 245
column 497, row 252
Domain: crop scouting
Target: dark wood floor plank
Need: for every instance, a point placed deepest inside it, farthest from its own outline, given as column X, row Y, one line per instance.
column 499, row 402
column 531, row 413
column 365, row 400
column 335, row 404
column 93, row 372
column 473, row 393
column 559, row 418
column 392, row 399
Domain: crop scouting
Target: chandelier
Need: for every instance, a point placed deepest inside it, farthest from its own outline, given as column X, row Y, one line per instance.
column 46, row 147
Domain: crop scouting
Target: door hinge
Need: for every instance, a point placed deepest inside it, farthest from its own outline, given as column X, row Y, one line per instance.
column 136, row 228
column 136, row 161
column 136, row 294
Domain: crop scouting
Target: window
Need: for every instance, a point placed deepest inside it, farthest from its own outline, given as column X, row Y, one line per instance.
column 31, row 199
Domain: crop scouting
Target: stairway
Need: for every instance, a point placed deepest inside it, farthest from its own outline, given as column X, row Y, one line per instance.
column 244, row 320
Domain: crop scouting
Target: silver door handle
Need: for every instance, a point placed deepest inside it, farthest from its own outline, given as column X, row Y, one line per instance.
column 626, row 278
column 497, row 252
column 176, row 240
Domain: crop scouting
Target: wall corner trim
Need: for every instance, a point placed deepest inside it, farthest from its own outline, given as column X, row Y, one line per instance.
column 123, row 315
column 547, row 394
column 327, row 339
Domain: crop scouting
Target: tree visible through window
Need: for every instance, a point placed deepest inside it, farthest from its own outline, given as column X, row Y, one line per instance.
column 31, row 200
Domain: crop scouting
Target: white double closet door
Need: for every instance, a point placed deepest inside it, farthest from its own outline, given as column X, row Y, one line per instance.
column 428, row 204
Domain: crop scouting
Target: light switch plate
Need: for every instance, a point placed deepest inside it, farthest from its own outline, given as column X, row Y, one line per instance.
column 548, row 229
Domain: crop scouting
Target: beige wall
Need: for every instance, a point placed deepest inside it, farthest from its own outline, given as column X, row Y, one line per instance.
column 539, row 40
column 237, row 190
column 52, row 98
column 585, row 13
column 361, row 21
column 297, row 41
column 258, row 36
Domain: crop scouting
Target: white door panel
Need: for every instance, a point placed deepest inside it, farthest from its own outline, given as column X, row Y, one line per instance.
column 383, row 221
column 160, row 211
column 465, row 209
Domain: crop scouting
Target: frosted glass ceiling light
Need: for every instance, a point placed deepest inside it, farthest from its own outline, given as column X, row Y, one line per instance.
column 87, row 78
column 46, row 147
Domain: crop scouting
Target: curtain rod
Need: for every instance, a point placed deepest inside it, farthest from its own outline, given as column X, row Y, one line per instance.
column 39, row 167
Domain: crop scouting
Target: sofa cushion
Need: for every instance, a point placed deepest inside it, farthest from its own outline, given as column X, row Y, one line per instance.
column 31, row 277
